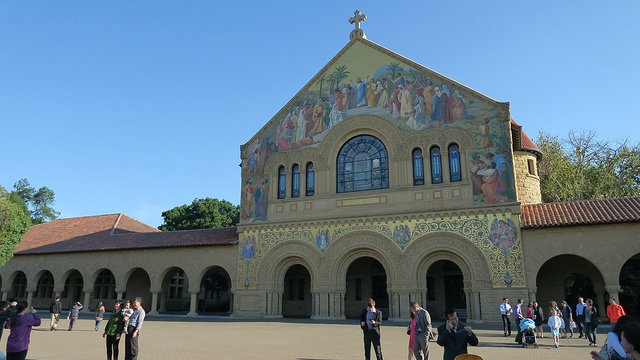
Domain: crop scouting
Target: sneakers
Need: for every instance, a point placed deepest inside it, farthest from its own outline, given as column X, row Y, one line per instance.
column 557, row 345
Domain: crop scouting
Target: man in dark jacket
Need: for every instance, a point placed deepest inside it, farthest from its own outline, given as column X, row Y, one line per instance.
column 55, row 309
column 422, row 331
column 370, row 321
column 454, row 337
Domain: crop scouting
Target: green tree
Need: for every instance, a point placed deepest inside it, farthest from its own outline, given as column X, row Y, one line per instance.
column 201, row 214
column 581, row 167
column 340, row 74
column 36, row 203
column 14, row 222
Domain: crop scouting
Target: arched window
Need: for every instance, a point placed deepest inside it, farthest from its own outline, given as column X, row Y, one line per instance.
column 455, row 173
column 45, row 286
column 418, row 167
column 362, row 164
column 282, row 183
column 311, row 180
column 295, row 181
column 436, row 165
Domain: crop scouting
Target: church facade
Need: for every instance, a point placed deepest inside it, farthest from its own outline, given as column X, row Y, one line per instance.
column 381, row 178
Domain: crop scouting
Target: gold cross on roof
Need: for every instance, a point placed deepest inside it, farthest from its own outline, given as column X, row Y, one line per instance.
column 357, row 32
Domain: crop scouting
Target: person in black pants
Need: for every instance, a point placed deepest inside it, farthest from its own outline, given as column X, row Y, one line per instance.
column 370, row 321
column 455, row 337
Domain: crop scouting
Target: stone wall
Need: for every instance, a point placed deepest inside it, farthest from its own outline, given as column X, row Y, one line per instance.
column 527, row 185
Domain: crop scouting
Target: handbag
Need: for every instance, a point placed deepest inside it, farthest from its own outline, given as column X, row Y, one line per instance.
column 573, row 325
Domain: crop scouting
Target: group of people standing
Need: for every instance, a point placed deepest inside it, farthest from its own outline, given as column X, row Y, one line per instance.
column 126, row 319
column 452, row 335
column 561, row 319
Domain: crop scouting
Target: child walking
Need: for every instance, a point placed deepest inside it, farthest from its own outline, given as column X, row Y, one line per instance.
column 555, row 322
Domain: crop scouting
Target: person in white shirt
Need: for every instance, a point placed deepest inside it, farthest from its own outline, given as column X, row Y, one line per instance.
column 505, row 311
column 555, row 322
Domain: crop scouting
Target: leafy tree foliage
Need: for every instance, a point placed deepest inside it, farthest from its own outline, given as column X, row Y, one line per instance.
column 201, row 214
column 581, row 167
column 14, row 222
column 36, row 203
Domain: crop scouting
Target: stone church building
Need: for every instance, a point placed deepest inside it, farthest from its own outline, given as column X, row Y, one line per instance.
column 381, row 178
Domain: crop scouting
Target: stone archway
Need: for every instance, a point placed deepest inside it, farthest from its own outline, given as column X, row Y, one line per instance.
column 215, row 291
column 296, row 297
column 138, row 284
column 175, row 295
column 104, row 287
column 73, row 287
column 18, row 286
column 44, row 290
column 365, row 278
column 445, row 289
column 567, row 277
column 630, row 285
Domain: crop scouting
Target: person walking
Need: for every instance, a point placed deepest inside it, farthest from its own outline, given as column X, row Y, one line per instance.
column 591, row 322
column 411, row 331
column 423, row 332
column 614, row 311
column 74, row 312
column 100, row 310
column 518, row 317
column 113, row 331
column 21, row 323
column 5, row 316
column 454, row 337
column 370, row 321
column 55, row 309
column 133, row 332
column 538, row 318
column 505, row 312
column 555, row 322
column 567, row 318
column 580, row 315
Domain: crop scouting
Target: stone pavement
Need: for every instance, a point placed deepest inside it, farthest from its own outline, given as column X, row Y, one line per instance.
column 219, row 338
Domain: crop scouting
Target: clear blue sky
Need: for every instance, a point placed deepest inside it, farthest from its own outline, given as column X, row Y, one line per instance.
column 137, row 107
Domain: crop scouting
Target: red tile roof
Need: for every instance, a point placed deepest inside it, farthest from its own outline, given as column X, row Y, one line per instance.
column 581, row 212
column 113, row 232
column 524, row 142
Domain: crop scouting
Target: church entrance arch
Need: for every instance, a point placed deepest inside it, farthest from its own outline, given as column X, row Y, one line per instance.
column 366, row 278
column 296, row 298
column 19, row 286
column 630, row 285
column 215, row 291
column 445, row 289
column 139, row 285
column 567, row 277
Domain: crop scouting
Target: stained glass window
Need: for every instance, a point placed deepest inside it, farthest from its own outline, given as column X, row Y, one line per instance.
column 363, row 164
column 282, row 183
column 455, row 173
column 311, row 179
column 418, row 167
column 295, row 181
column 436, row 165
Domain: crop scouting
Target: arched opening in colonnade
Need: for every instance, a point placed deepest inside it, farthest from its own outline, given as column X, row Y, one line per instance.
column 175, row 295
column 139, row 285
column 19, row 286
column 72, row 291
column 104, row 288
column 215, row 291
column 567, row 277
column 296, row 298
column 445, row 289
column 44, row 290
column 630, row 285
column 366, row 278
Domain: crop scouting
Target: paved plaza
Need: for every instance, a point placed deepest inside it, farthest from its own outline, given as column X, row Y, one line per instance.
column 185, row 339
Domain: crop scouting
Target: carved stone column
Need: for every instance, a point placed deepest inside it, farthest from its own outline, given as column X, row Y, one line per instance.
column 87, row 300
column 30, row 296
column 155, row 293
column 532, row 294
column 613, row 291
column 120, row 294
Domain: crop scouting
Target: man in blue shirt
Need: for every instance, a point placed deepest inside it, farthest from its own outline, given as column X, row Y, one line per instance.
column 580, row 315
column 370, row 321
column 133, row 330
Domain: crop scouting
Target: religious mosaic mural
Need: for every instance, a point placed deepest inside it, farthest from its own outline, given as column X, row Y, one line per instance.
column 498, row 241
column 364, row 80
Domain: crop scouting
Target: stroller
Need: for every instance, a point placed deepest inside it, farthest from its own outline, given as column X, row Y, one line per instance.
column 527, row 326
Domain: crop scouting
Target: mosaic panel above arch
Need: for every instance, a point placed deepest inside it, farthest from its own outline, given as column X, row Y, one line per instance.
column 497, row 238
